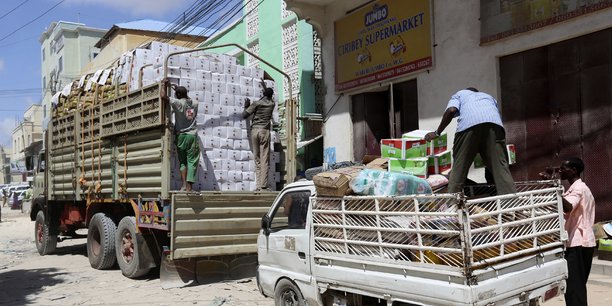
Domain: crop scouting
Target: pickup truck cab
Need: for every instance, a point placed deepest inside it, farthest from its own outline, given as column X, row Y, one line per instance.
column 440, row 249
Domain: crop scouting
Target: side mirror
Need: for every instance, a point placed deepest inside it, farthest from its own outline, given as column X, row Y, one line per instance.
column 265, row 225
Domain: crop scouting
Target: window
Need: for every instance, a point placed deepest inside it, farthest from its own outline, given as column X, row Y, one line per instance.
column 292, row 211
column 43, row 54
column 60, row 64
column 95, row 54
column 45, row 111
column 44, row 84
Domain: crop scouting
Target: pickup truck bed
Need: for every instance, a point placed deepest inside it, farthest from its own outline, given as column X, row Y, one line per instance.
column 442, row 249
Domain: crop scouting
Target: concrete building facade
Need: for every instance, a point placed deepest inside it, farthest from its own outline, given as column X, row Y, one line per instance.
column 65, row 48
column 280, row 38
column 547, row 62
column 26, row 133
column 5, row 167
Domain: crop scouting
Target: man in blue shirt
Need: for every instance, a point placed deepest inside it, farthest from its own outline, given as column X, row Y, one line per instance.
column 479, row 130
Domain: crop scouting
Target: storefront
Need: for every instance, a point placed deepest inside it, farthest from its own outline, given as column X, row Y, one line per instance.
column 547, row 62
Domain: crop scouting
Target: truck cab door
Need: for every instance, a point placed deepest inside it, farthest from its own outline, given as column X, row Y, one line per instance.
column 284, row 246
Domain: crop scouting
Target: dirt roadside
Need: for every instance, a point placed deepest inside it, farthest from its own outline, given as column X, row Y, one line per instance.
column 66, row 278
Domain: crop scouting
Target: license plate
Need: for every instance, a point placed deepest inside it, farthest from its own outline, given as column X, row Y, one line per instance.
column 551, row 293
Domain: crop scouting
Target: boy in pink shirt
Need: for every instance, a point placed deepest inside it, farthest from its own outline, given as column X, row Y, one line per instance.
column 579, row 211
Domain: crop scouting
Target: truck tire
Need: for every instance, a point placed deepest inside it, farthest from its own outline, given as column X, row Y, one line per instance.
column 287, row 293
column 101, row 242
column 45, row 243
column 126, row 245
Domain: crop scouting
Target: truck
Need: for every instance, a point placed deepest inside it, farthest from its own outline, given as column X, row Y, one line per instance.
column 107, row 167
column 471, row 248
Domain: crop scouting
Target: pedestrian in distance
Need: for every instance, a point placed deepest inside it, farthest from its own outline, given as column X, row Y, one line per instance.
column 185, row 132
column 479, row 130
column 579, row 213
column 261, row 113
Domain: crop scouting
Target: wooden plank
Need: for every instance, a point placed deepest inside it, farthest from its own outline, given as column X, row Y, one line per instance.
column 205, row 241
column 219, row 213
column 215, row 227
column 215, row 251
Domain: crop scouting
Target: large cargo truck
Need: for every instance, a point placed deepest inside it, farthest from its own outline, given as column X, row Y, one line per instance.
column 108, row 165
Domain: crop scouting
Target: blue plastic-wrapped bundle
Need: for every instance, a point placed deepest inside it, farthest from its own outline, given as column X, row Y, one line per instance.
column 383, row 183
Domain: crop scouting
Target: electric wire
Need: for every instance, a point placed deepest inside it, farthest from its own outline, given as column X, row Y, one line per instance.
column 18, row 6
column 31, row 21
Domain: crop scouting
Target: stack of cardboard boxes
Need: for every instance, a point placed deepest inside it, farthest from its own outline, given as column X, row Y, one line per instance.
column 414, row 155
column 220, row 86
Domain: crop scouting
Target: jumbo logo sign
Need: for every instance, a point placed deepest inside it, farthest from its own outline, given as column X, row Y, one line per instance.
column 377, row 14
column 382, row 41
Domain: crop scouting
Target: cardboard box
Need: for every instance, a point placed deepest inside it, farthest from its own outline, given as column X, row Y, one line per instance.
column 220, row 131
column 440, row 162
column 402, row 148
column 218, row 154
column 234, row 154
column 219, row 87
column 336, row 183
column 228, row 164
column 227, row 143
column 188, row 83
column 203, row 75
column 414, row 166
column 248, row 176
column 604, row 251
column 239, row 101
column 511, row 150
column 235, row 133
column 203, row 85
column 216, row 67
column 378, row 163
column 234, row 89
column 230, row 69
column 435, row 146
column 186, row 61
column 226, row 99
column 257, row 73
column 202, row 64
column 212, row 97
column 188, row 73
column 242, row 166
column 218, row 77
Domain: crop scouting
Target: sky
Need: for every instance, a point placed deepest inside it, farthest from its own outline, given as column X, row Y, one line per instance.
column 20, row 51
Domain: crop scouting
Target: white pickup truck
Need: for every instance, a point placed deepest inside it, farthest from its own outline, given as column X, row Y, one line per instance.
column 440, row 249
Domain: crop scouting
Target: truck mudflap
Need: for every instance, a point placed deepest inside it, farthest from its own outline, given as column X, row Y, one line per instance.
column 193, row 271
column 213, row 236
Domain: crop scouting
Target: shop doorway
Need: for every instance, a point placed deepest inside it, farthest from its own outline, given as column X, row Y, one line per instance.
column 556, row 104
column 383, row 114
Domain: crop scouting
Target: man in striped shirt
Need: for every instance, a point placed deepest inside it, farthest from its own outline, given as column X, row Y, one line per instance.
column 479, row 130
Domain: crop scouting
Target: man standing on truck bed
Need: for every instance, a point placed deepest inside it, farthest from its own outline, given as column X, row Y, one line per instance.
column 479, row 130
column 260, row 133
column 579, row 210
column 185, row 130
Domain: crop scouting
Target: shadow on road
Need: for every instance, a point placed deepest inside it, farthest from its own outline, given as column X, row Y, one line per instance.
column 19, row 287
column 76, row 249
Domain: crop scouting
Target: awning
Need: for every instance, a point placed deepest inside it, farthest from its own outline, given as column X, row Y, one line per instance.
column 306, row 142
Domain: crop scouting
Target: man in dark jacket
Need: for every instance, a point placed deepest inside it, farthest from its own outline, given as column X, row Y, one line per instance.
column 261, row 112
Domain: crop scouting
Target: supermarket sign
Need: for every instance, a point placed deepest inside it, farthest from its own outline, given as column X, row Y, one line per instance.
column 382, row 41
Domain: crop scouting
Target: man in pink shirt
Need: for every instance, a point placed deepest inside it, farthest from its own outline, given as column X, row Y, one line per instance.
column 579, row 211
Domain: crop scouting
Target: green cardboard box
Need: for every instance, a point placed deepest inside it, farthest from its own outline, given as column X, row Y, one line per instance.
column 440, row 162
column 435, row 146
column 415, row 166
column 402, row 148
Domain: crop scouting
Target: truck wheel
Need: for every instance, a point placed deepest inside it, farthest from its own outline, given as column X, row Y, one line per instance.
column 126, row 246
column 45, row 243
column 287, row 293
column 101, row 242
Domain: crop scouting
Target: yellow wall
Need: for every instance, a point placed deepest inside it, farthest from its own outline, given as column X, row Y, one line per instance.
column 130, row 39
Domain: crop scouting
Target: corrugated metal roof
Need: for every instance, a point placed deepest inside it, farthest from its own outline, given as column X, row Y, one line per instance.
column 162, row 26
